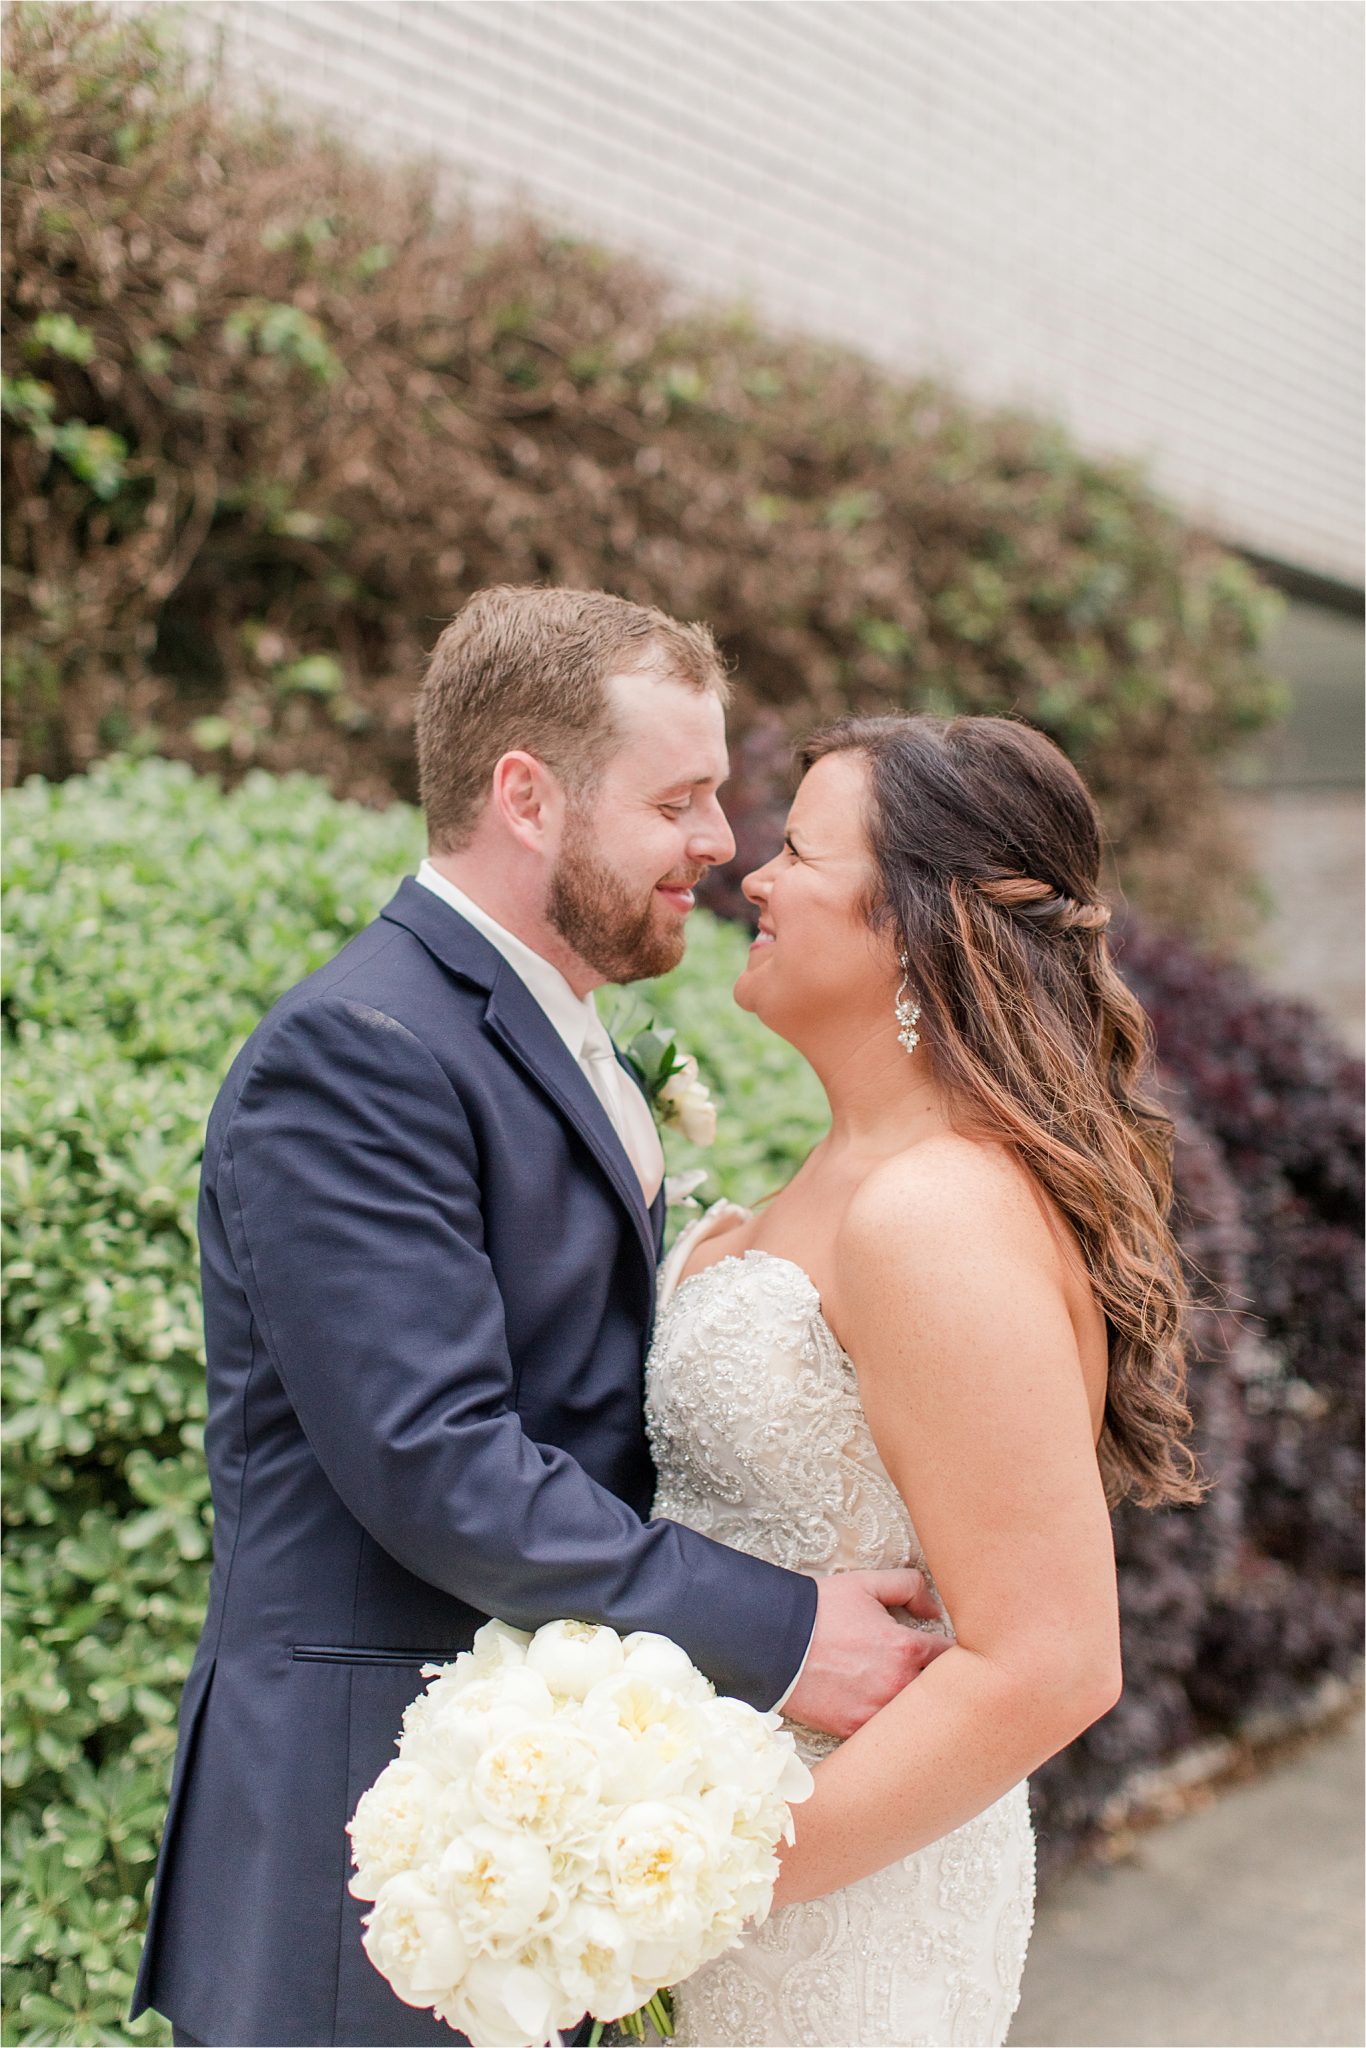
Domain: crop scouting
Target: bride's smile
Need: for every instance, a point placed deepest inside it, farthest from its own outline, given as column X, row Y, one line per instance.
column 814, row 958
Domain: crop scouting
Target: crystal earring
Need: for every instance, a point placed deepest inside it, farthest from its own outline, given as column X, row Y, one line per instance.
column 907, row 1009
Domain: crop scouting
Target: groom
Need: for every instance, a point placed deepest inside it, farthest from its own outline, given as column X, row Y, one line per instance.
column 430, row 1216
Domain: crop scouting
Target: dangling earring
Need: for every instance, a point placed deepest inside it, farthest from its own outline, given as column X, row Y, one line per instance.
column 907, row 1011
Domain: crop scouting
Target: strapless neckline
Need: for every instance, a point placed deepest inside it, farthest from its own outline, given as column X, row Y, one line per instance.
column 757, row 1251
column 773, row 1258
column 753, row 1251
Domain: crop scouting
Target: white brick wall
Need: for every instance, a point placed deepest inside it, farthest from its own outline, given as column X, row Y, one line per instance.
column 1144, row 215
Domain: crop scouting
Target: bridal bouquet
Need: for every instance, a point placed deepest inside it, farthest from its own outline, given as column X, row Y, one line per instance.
column 573, row 1820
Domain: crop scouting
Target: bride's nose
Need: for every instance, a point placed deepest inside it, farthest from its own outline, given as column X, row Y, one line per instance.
column 755, row 886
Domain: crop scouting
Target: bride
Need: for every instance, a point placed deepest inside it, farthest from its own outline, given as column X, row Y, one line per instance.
column 946, row 1342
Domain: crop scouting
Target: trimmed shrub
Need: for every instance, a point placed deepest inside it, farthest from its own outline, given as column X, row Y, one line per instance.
column 152, row 919
column 150, row 923
column 274, row 412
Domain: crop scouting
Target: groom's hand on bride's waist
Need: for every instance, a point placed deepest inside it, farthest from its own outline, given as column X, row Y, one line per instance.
column 861, row 1656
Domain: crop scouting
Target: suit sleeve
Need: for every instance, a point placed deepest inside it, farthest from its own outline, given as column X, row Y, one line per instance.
column 348, row 1186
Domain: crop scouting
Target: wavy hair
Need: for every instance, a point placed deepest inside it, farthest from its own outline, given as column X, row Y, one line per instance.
column 988, row 848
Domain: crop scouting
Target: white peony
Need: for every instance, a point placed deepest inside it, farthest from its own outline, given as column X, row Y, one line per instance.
column 390, row 1825
column 448, row 1728
column 506, row 2004
column 752, row 1752
column 495, row 1647
column 495, row 1883
column 649, row 1741
column 412, row 1939
column 544, row 1778
column 571, row 1656
column 658, row 1853
column 645, row 1655
column 497, row 1644
column 593, row 1949
column 744, row 1871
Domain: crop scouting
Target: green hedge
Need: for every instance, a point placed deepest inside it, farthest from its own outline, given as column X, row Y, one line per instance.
column 152, row 920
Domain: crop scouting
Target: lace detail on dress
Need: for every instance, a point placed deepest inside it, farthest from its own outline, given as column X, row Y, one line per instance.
column 760, row 1440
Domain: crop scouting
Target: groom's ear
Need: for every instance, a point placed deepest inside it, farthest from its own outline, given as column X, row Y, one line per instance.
column 529, row 801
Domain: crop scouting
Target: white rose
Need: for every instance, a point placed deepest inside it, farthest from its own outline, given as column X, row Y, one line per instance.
column 447, row 1728
column 658, row 1859
column 571, row 1656
column 544, row 1778
column 680, row 1080
column 506, row 2003
column 413, row 1942
column 593, row 1950
column 697, row 1115
column 496, row 1884
column 390, row 1824
column 686, row 1101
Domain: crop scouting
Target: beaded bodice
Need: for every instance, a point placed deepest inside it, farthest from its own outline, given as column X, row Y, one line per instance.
column 758, row 1434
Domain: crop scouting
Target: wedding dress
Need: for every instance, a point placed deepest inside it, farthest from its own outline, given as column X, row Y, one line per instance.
column 760, row 1441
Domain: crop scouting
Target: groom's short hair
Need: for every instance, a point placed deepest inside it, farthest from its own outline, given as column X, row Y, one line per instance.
column 523, row 668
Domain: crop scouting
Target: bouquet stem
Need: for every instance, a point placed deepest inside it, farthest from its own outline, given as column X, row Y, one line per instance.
column 657, row 2010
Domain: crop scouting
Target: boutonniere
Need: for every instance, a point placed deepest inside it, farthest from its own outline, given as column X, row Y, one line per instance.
column 675, row 1091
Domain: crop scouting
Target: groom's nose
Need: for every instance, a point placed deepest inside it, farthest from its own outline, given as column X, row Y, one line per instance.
column 711, row 841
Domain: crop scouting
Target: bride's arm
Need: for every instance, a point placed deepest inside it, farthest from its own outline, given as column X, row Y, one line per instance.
column 953, row 1308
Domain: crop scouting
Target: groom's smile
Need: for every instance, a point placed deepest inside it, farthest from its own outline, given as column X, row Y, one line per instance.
column 678, row 897
column 636, row 845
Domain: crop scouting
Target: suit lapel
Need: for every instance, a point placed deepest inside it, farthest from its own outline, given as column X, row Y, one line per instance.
column 517, row 1020
column 526, row 1034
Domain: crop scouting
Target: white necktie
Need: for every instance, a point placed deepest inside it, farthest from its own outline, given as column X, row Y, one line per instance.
column 626, row 1108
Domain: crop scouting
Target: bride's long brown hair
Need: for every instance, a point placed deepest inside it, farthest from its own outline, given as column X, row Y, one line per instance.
column 988, row 850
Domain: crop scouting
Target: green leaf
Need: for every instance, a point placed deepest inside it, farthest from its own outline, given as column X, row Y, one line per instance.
column 313, row 675
column 58, row 334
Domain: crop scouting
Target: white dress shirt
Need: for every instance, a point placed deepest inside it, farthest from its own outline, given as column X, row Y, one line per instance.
column 576, row 1020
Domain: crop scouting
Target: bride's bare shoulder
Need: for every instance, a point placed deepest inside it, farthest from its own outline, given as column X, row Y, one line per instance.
column 945, row 1185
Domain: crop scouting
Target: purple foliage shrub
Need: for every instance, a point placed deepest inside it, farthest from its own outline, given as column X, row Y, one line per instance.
column 1243, row 1604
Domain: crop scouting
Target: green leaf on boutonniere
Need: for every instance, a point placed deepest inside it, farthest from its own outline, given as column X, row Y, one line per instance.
column 678, row 1096
column 655, row 1056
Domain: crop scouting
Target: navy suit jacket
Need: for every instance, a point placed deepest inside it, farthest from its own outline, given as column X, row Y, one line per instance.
column 428, row 1276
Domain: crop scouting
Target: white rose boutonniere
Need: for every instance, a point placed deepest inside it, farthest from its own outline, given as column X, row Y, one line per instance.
column 675, row 1090
column 685, row 1099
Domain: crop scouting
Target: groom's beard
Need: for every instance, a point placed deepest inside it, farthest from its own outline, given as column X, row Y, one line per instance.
column 604, row 921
